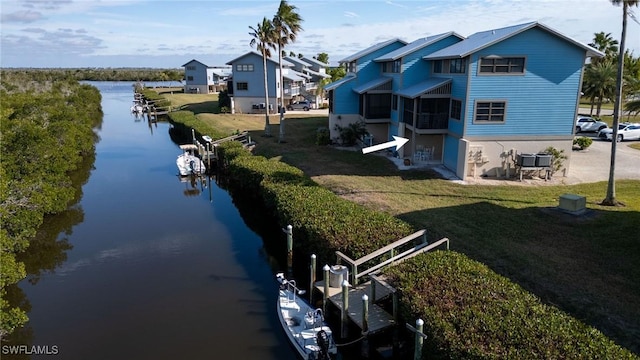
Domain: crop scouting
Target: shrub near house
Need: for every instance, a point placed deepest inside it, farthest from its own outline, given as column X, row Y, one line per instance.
column 470, row 311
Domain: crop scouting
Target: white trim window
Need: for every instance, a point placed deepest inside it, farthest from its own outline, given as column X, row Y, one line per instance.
column 502, row 65
column 244, row 67
column 391, row 66
column 490, row 111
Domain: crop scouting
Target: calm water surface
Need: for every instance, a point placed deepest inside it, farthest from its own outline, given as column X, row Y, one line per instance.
column 158, row 269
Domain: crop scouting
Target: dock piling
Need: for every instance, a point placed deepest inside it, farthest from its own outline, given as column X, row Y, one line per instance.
column 344, row 315
column 325, row 293
column 313, row 278
column 289, row 232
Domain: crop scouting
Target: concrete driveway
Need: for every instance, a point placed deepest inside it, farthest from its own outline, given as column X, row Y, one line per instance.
column 592, row 164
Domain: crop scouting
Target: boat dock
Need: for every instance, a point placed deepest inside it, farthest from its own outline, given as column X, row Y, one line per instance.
column 359, row 297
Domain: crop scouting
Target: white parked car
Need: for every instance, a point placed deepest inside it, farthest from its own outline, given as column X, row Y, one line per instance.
column 626, row 131
column 586, row 123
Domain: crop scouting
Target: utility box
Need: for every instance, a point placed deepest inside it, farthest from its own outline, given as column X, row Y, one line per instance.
column 543, row 160
column 527, row 160
column 573, row 204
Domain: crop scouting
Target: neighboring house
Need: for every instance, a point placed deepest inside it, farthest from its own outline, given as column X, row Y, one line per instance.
column 313, row 72
column 203, row 79
column 469, row 103
column 247, row 85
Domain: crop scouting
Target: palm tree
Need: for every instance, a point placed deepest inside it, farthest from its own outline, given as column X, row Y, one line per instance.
column 286, row 25
column 263, row 40
column 610, row 199
column 605, row 43
column 599, row 83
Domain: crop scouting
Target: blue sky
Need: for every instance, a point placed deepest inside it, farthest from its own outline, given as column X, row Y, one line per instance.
column 167, row 34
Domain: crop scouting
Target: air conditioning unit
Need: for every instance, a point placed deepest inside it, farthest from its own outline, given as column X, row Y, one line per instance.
column 527, row 160
column 543, row 160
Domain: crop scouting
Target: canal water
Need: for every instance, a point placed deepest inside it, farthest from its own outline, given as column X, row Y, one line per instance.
column 147, row 266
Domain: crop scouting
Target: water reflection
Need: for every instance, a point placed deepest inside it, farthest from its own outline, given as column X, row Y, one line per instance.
column 146, row 266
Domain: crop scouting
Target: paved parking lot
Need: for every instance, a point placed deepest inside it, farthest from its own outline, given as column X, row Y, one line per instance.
column 592, row 164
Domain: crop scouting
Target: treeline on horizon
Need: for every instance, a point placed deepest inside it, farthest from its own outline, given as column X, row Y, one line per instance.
column 47, row 129
column 100, row 74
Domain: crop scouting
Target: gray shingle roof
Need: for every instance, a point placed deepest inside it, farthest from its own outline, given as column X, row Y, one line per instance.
column 483, row 39
column 370, row 49
column 415, row 45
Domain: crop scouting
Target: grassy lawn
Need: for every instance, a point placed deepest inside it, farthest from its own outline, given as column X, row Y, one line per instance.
column 588, row 266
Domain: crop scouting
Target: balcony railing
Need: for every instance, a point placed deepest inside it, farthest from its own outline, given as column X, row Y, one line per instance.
column 292, row 90
column 427, row 121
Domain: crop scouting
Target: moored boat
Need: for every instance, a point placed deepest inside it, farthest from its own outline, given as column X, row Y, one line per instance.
column 188, row 163
column 305, row 326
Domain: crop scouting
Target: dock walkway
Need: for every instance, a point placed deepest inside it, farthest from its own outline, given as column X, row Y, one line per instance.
column 376, row 288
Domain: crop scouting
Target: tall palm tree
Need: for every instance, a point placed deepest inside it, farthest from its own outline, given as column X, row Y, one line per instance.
column 599, row 83
column 610, row 199
column 286, row 25
column 605, row 43
column 263, row 40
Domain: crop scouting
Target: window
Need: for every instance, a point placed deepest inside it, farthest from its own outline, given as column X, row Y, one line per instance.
column 242, row 86
column 456, row 109
column 350, row 67
column 394, row 104
column 490, row 111
column 244, row 67
column 391, row 66
column 191, row 67
column 189, row 78
column 450, row 66
column 499, row 65
column 457, row 66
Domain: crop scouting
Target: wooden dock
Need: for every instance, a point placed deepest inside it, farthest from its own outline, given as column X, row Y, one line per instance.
column 378, row 320
column 375, row 287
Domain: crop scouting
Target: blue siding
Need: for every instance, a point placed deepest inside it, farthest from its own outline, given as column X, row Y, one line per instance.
column 346, row 101
column 450, row 152
column 544, row 98
column 255, row 78
column 415, row 69
column 199, row 74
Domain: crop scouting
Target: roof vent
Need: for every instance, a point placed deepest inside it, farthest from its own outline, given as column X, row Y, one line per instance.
column 493, row 32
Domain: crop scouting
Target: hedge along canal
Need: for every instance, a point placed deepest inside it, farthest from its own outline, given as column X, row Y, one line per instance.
column 146, row 266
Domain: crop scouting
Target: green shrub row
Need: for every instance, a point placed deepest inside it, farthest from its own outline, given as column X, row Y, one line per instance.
column 322, row 221
column 470, row 312
column 190, row 120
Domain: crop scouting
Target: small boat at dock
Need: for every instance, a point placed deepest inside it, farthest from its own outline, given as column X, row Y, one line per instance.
column 305, row 326
column 188, row 163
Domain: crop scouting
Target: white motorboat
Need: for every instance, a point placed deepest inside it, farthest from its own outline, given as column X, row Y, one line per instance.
column 137, row 109
column 188, row 163
column 305, row 326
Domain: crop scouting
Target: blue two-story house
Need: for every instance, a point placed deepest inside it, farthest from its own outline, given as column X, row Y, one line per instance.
column 247, row 86
column 472, row 103
column 204, row 79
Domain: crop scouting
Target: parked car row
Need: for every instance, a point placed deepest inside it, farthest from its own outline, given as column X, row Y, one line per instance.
column 626, row 131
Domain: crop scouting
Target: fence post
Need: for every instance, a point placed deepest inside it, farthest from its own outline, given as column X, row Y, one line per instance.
column 193, row 136
column 344, row 318
column 312, row 280
column 325, row 294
